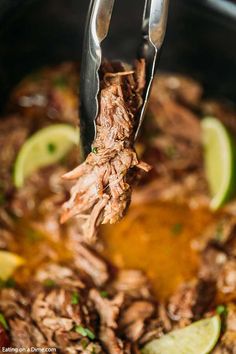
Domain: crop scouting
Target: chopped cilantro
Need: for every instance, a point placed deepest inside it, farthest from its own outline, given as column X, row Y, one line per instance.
column 49, row 283
column 3, row 321
column 85, row 332
column 221, row 310
column 93, row 351
column 177, row 228
column 94, row 149
column 104, row 293
column 90, row 334
column 75, row 298
column 51, row 148
column 80, row 330
column 84, row 343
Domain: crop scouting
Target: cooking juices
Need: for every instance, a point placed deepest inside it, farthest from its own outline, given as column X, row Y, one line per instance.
column 158, row 238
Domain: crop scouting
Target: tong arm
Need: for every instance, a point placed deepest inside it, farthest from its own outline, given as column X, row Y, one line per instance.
column 97, row 26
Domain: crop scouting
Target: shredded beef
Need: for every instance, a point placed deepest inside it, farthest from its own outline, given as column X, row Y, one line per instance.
column 48, row 317
column 211, row 263
column 164, row 318
column 102, row 191
column 91, row 263
column 191, row 301
column 61, row 275
column 48, row 95
column 56, row 316
column 108, row 309
column 108, row 313
column 169, row 105
column 60, row 298
column 180, row 88
column 13, row 132
column 115, row 305
column 219, row 267
column 153, row 330
column 132, row 282
column 133, row 318
column 226, row 281
column 14, row 305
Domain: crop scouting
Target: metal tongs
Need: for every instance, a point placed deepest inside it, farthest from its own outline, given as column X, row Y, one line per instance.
column 97, row 26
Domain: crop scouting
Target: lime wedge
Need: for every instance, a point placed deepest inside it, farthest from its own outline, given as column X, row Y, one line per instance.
column 197, row 338
column 219, row 159
column 47, row 146
column 8, row 263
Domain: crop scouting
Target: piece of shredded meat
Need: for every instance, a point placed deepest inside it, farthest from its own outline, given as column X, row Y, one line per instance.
column 102, row 191
column 108, row 311
column 191, row 301
column 92, row 264
column 133, row 318
column 62, row 301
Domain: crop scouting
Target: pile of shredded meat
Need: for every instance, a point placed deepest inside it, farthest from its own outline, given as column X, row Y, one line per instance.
column 86, row 306
column 67, row 296
column 102, row 189
column 83, row 307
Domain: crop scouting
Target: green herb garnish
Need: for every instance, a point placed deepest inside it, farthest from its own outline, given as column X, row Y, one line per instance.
column 3, row 322
column 94, row 149
column 49, row 283
column 221, row 310
column 104, row 293
column 84, row 343
column 75, row 298
column 85, row 332
column 94, row 351
column 177, row 228
column 90, row 334
column 51, row 148
column 80, row 330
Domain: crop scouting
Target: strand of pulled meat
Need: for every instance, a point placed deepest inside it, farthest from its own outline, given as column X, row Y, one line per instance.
column 102, row 191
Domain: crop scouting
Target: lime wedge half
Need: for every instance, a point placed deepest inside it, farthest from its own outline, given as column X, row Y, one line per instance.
column 198, row 338
column 219, row 159
column 47, row 146
column 8, row 263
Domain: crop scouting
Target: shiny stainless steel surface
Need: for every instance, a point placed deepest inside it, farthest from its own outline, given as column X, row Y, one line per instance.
column 153, row 32
column 97, row 26
column 96, row 30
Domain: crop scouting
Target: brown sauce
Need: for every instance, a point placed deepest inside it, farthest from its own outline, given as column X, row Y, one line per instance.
column 157, row 238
